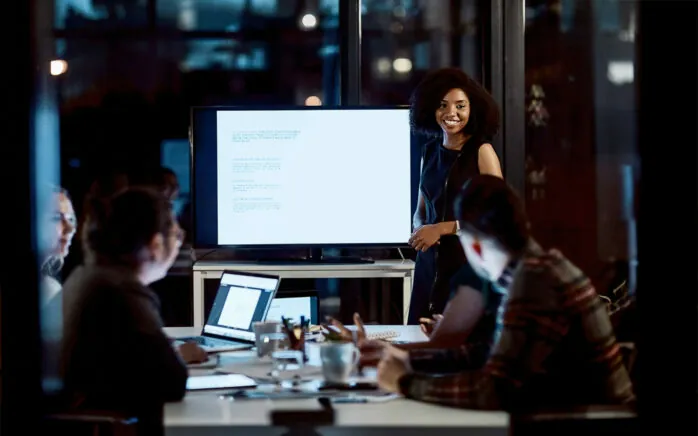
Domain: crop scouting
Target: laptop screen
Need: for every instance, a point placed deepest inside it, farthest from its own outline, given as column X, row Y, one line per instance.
column 241, row 301
column 294, row 308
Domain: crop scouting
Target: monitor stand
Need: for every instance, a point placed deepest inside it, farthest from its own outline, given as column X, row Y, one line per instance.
column 315, row 257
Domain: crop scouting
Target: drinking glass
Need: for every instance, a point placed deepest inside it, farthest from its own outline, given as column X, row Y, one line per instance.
column 285, row 362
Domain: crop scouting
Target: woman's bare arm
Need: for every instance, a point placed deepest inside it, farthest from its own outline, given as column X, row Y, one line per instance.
column 420, row 215
column 488, row 162
column 460, row 317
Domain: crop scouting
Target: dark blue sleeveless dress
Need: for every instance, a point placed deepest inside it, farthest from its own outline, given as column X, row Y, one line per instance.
column 444, row 172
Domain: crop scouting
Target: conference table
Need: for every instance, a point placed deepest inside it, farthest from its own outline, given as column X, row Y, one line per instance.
column 206, row 413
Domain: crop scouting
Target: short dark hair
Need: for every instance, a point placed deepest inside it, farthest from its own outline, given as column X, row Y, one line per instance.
column 117, row 228
column 427, row 96
column 487, row 206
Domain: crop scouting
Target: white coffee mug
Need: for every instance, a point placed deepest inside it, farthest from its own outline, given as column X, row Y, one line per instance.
column 338, row 360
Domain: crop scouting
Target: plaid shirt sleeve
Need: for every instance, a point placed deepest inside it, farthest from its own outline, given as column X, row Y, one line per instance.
column 535, row 320
column 440, row 360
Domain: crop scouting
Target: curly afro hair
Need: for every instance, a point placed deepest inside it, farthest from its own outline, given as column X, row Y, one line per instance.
column 426, row 98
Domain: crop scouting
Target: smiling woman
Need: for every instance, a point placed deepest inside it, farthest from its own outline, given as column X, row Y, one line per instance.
column 59, row 226
column 460, row 117
column 60, row 229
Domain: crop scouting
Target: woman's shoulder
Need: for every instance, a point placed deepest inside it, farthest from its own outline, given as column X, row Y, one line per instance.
column 105, row 282
column 484, row 147
column 100, row 286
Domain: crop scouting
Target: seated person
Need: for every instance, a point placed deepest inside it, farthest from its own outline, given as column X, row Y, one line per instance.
column 62, row 224
column 557, row 345
column 60, row 228
column 166, row 179
column 469, row 320
column 115, row 355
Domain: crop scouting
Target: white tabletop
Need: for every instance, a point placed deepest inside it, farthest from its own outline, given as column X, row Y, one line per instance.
column 406, row 333
column 400, row 416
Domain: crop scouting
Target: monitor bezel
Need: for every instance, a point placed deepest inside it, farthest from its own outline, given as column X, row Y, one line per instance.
column 415, row 148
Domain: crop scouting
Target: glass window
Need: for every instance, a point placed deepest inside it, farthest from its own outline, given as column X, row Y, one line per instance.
column 125, row 95
column 100, row 14
column 112, row 87
column 235, row 15
column 581, row 157
column 403, row 39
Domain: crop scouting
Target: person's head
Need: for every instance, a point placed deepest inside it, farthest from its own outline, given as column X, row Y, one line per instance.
column 171, row 180
column 135, row 229
column 448, row 102
column 494, row 227
column 62, row 225
column 107, row 184
column 160, row 178
column 166, row 181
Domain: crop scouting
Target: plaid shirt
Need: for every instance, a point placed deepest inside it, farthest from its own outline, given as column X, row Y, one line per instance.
column 556, row 346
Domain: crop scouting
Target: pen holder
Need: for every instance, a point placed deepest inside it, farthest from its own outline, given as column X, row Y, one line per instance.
column 296, row 337
column 299, row 344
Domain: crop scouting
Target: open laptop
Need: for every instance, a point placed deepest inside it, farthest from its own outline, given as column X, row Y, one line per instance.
column 293, row 305
column 241, row 300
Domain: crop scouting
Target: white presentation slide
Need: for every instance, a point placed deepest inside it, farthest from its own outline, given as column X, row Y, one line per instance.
column 239, row 308
column 314, row 177
column 292, row 308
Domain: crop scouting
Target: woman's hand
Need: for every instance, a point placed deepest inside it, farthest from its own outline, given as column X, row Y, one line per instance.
column 428, row 325
column 393, row 365
column 191, row 352
column 425, row 237
column 347, row 335
column 372, row 352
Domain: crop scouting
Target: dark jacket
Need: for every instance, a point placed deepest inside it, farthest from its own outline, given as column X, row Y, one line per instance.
column 115, row 355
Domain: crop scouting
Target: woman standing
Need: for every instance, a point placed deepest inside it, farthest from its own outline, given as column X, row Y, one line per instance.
column 460, row 117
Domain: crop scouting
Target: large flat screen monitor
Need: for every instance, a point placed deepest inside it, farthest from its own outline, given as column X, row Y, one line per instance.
column 303, row 177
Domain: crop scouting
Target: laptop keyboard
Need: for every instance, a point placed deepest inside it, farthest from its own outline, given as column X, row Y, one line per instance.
column 208, row 342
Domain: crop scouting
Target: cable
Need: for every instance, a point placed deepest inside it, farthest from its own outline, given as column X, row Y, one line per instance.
column 195, row 259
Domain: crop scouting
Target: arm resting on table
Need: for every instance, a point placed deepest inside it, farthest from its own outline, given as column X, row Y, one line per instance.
column 445, row 351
